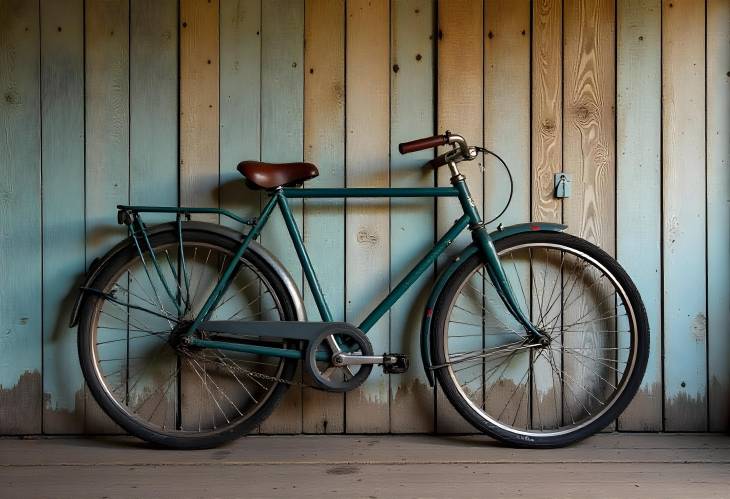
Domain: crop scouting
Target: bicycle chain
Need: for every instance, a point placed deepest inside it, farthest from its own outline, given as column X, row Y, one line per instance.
column 248, row 372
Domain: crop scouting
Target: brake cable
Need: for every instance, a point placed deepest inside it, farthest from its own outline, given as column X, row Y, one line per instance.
column 484, row 152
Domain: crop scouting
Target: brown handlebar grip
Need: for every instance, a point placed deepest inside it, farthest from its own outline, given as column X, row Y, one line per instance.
column 421, row 144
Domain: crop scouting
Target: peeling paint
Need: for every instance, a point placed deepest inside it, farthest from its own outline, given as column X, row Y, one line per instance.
column 684, row 412
column 699, row 328
column 411, row 406
column 644, row 413
column 20, row 405
column 60, row 419
column 719, row 405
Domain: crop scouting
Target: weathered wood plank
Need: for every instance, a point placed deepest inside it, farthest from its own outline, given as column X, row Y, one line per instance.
column 153, row 103
column 460, row 107
column 324, row 220
column 282, row 100
column 638, row 185
column 20, row 219
column 153, row 180
column 718, row 212
column 684, row 216
column 411, row 117
column 199, row 143
column 64, row 252
column 589, row 157
column 107, row 142
column 547, row 108
column 547, row 159
column 588, row 130
column 240, row 102
column 507, row 132
column 199, row 104
column 368, row 225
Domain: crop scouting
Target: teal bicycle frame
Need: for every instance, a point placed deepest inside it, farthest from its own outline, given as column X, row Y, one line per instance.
column 470, row 219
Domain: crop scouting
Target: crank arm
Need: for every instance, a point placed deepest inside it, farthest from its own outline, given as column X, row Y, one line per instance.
column 344, row 359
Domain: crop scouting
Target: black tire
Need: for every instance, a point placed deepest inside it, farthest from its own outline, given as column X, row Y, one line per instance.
column 121, row 414
column 532, row 438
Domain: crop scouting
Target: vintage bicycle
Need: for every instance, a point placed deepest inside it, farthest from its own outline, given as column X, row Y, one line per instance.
column 189, row 333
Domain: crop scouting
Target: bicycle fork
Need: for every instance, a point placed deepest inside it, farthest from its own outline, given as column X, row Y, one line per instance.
column 481, row 238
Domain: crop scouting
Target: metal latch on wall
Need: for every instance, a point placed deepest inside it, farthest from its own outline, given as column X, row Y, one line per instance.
column 562, row 185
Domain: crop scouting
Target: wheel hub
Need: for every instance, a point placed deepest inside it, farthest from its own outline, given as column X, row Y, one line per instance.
column 179, row 340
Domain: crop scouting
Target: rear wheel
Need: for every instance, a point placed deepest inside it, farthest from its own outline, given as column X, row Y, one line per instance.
column 139, row 369
column 518, row 390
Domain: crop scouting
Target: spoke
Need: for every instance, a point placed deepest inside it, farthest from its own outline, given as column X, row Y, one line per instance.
column 130, row 293
column 204, row 384
column 220, row 390
column 517, row 333
column 137, row 327
column 223, row 360
column 519, row 280
column 200, row 278
column 534, row 283
column 558, row 276
column 462, row 356
column 590, row 322
column 149, row 396
column 145, row 335
column 236, row 293
column 595, row 372
column 562, row 296
column 512, row 395
column 575, row 352
column 147, row 365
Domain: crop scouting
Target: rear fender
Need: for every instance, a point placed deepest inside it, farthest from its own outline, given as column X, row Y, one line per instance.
column 452, row 267
column 220, row 230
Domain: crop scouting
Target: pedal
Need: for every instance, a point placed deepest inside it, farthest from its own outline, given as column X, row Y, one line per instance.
column 395, row 363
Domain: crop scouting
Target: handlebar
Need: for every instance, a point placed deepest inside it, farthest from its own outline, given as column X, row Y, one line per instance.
column 421, row 144
column 460, row 152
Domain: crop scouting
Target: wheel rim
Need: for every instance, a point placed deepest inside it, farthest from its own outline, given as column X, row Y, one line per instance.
column 531, row 390
column 162, row 385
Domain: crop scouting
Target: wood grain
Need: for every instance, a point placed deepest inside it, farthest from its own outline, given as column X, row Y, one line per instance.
column 547, row 159
column 240, row 103
column 718, row 212
column 324, row 220
column 547, row 108
column 684, row 215
column 64, row 251
column 199, row 104
column 153, row 166
column 199, row 142
column 282, row 124
column 638, row 186
column 507, row 132
column 411, row 117
column 153, row 104
column 368, row 224
column 20, row 219
column 589, row 157
column 459, row 109
column 107, row 142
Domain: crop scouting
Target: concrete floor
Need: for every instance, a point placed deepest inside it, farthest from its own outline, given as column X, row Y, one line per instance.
column 607, row 465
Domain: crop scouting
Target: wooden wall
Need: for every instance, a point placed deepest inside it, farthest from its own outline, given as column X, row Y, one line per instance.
column 155, row 101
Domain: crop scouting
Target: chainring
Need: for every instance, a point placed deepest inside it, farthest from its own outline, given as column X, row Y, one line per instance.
column 324, row 373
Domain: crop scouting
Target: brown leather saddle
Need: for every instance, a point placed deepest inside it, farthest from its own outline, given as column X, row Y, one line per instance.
column 271, row 175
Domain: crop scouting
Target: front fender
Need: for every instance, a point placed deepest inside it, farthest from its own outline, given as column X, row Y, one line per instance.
column 221, row 230
column 453, row 266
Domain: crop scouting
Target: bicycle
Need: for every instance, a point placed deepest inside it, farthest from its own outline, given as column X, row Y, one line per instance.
column 189, row 333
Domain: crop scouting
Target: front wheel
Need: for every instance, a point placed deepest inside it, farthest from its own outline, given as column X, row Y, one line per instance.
column 529, row 394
